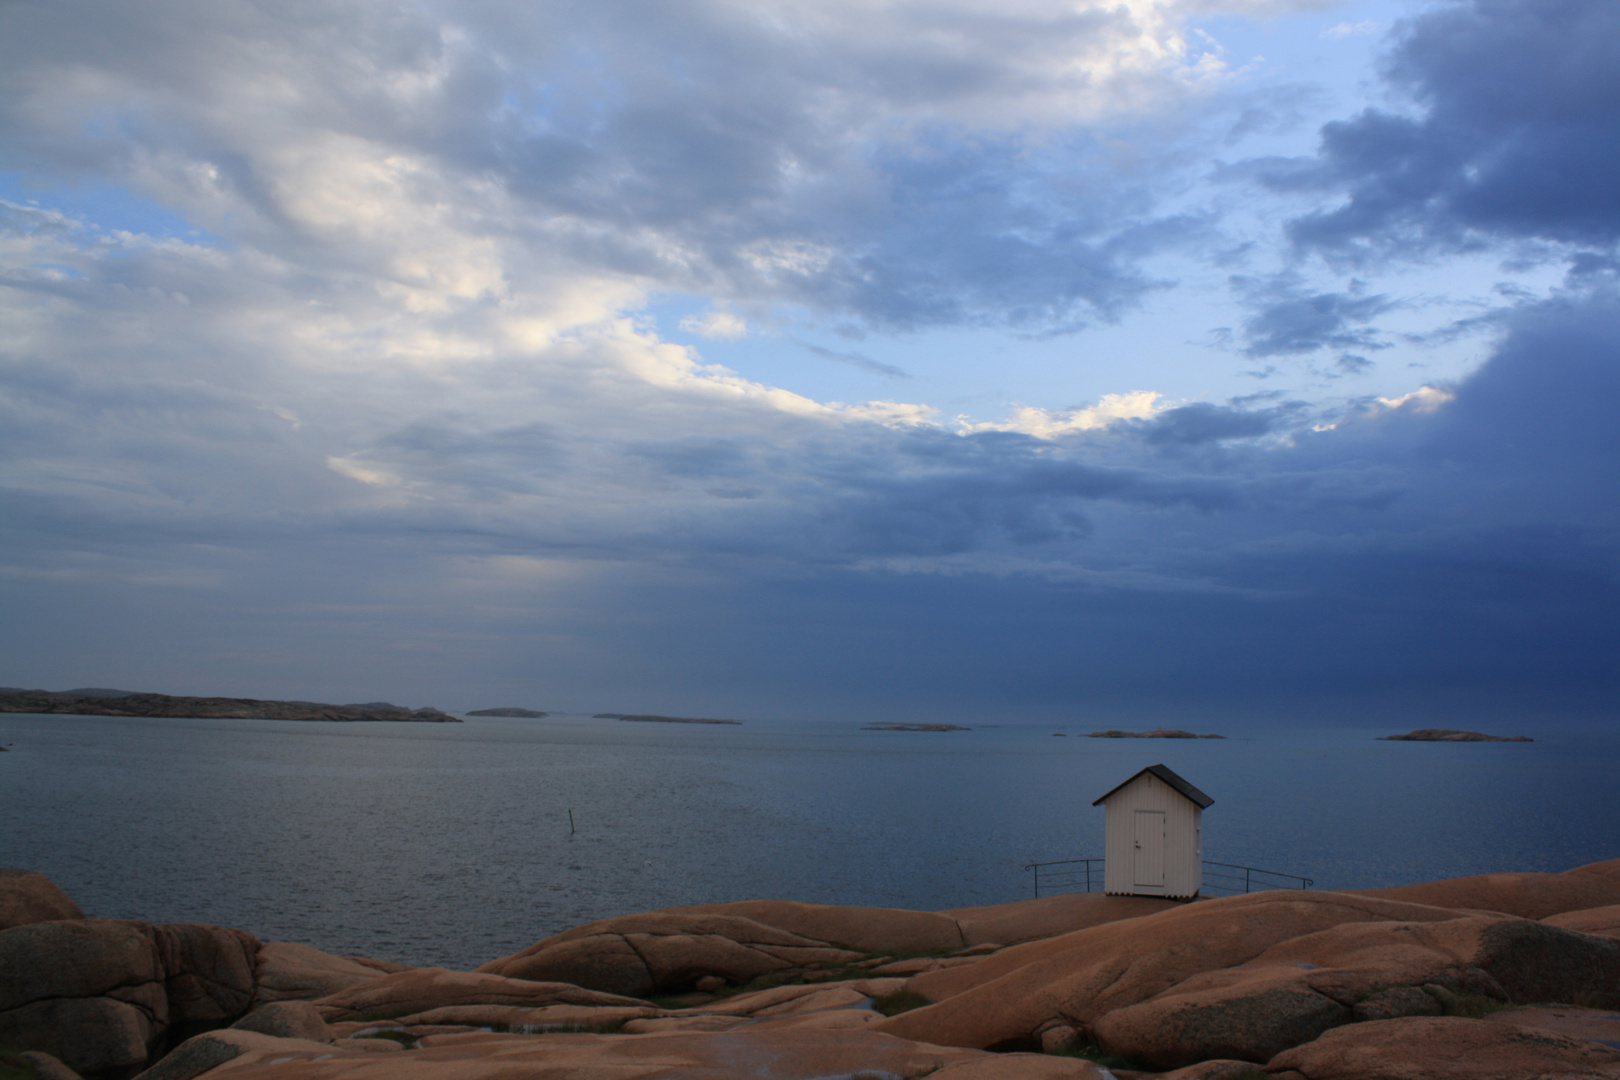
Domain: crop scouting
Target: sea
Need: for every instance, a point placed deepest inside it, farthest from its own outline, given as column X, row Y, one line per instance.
column 455, row 844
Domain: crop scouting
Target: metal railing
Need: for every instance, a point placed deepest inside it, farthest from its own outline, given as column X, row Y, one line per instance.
column 1069, row 880
column 1250, row 878
column 1086, row 875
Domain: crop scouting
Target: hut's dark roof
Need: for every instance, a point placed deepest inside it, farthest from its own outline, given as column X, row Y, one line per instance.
column 1177, row 783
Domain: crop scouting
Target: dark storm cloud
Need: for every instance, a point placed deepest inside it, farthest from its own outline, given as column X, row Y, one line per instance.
column 1291, row 321
column 1203, row 422
column 1517, row 137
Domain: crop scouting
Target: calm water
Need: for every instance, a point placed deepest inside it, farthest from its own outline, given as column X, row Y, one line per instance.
column 450, row 844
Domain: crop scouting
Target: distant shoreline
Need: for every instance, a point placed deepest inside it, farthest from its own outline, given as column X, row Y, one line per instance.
column 166, row 706
column 651, row 718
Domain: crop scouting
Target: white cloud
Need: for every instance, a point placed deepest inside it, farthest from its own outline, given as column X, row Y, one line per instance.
column 1048, row 424
column 1350, row 29
column 717, row 326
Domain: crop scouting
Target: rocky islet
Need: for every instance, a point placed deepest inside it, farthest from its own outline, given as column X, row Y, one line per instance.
column 1503, row 975
column 120, row 703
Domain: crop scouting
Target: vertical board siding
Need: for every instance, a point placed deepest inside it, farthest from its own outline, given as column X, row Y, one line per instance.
column 1183, row 824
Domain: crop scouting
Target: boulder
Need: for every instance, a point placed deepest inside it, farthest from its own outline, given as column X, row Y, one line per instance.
column 27, row 896
column 422, row 989
column 94, row 1036
column 88, row 991
column 1599, row 921
column 200, row 1053
column 47, row 1066
column 665, row 951
column 676, row 961
column 286, row 1020
column 1534, row 961
column 286, row 971
column 1529, row 896
column 1081, row 976
column 1252, row 1016
column 1445, row 1048
column 603, row 962
column 208, row 972
column 71, row 959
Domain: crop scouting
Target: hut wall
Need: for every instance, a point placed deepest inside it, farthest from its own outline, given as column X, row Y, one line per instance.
column 1170, row 828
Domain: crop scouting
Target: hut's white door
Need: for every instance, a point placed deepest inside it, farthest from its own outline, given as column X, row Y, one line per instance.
column 1147, row 853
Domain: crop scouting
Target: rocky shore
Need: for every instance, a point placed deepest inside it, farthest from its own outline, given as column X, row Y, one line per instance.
column 1499, row 977
column 113, row 703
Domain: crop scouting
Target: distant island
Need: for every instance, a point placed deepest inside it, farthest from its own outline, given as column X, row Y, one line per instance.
column 649, row 718
column 531, row 714
column 915, row 727
column 99, row 702
column 1156, row 733
column 1449, row 735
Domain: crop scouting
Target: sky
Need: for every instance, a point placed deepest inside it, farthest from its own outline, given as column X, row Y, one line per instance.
column 1149, row 361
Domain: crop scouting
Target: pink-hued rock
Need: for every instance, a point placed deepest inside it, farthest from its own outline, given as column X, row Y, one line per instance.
column 48, row 1066
column 1251, row 1017
column 27, row 896
column 1599, row 921
column 675, row 961
column 1445, row 1048
column 88, row 991
column 1529, row 896
column 518, row 1017
column 201, row 1053
column 862, row 929
column 1049, row 916
column 1081, row 976
column 208, row 971
column 782, row 1053
column 422, row 989
column 1216, row 1069
column 655, row 1025
column 287, row 1020
column 287, row 971
column 94, row 1036
column 604, row 962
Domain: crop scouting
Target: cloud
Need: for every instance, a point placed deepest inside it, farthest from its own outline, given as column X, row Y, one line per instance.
column 717, row 326
column 865, row 363
column 1292, row 321
column 1512, row 136
column 392, row 414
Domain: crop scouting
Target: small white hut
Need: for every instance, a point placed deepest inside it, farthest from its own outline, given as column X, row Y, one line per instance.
column 1154, row 836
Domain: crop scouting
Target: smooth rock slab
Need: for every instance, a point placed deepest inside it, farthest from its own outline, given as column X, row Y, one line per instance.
column 1445, row 1048
column 27, row 896
column 94, row 1036
column 208, row 971
column 423, row 989
column 783, row 1054
column 1252, row 1020
column 287, row 1020
column 603, row 962
column 82, row 958
column 1395, row 1003
column 287, row 971
column 1599, row 921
